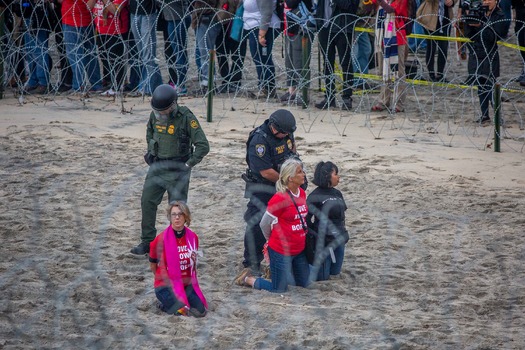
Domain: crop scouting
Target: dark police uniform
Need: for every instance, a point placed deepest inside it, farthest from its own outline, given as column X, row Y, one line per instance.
column 264, row 151
column 174, row 146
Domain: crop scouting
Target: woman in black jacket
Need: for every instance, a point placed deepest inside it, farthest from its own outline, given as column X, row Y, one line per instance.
column 483, row 64
column 326, row 220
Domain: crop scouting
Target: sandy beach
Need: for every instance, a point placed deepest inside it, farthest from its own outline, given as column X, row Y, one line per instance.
column 436, row 219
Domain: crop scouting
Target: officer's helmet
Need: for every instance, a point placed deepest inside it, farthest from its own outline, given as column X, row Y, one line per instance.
column 283, row 121
column 163, row 97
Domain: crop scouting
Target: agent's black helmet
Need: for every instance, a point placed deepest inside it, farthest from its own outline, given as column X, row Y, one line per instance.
column 283, row 121
column 163, row 97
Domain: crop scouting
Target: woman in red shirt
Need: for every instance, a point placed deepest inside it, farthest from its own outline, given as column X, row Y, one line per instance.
column 284, row 226
column 112, row 23
column 173, row 261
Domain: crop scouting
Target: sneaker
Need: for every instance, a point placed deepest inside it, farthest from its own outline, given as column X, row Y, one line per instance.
column 196, row 313
column 239, row 279
column 134, row 94
column 200, row 92
column 182, row 91
column 300, row 102
column 324, row 104
column 346, row 105
column 108, row 93
column 41, row 90
column 482, row 120
column 63, row 88
column 30, row 88
column 96, row 89
column 287, row 97
column 141, row 249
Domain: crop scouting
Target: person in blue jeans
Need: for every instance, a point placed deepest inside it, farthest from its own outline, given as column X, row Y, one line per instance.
column 326, row 220
column 81, row 50
column 261, row 27
column 143, row 25
column 178, row 20
column 361, row 52
column 37, row 56
column 207, row 27
column 283, row 225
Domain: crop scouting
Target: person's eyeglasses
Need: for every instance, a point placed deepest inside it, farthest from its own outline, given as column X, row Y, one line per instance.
column 177, row 215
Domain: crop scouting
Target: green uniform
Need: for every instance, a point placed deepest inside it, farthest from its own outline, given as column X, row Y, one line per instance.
column 175, row 145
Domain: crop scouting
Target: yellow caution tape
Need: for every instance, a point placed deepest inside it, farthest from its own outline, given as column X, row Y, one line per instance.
column 447, row 38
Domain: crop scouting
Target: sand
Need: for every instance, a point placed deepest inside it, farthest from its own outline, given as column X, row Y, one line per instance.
column 436, row 219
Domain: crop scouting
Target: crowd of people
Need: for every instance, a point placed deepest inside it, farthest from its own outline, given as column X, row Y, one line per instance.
column 99, row 41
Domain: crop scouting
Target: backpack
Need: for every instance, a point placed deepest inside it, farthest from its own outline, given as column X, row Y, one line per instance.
column 300, row 20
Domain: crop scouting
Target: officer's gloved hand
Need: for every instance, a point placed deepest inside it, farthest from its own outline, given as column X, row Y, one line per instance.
column 149, row 158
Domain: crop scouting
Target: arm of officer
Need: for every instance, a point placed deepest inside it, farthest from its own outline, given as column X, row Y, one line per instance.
column 270, row 175
column 199, row 141
column 149, row 130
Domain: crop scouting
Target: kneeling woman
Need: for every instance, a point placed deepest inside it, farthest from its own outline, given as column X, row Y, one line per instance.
column 173, row 261
column 326, row 219
column 283, row 225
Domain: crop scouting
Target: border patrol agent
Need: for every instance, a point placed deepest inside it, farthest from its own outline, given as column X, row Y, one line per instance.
column 268, row 146
column 176, row 142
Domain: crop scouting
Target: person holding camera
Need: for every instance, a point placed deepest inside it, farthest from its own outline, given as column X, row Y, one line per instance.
column 485, row 25
column 176, row 143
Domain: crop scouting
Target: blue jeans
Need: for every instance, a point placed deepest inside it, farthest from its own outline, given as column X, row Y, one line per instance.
column 328, row 267
column 81, row 52
column 144, row 32
column 178, row 35
column 170, row 304
column 38, row 60
column 206, row 34
column 263, row 63
column 361, row 51
column 285, row 270
column 417, row 44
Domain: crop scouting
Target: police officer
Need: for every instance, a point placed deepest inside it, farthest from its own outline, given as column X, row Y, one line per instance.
column 176, row 142
column 268, row 146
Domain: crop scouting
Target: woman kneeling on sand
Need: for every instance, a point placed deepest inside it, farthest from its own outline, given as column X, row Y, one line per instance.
column 283, row 225
column 173, row 261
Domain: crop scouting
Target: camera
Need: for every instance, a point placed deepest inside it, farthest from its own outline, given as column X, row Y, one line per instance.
column 473, row 10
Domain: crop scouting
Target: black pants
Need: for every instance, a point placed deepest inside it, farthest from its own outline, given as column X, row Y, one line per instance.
column 520, row 29
column 485, row 92
column 227, row 47
column 342, row 42
column 437, row 46
column 112, row 50
column 66, row 74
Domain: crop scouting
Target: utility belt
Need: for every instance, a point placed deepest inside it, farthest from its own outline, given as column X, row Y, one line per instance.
column 257, row 185
column 178, row 159
column 250, row 177
column 150, row 159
